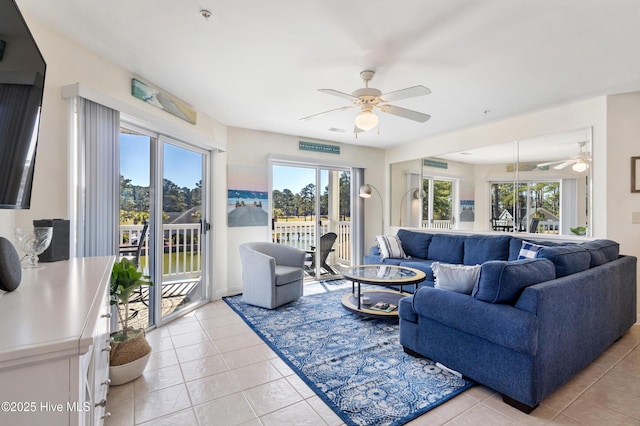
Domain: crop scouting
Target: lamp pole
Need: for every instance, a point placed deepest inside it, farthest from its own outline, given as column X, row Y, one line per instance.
column 365, row 192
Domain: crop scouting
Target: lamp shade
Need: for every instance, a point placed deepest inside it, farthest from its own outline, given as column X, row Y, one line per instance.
column 365, row 191
column 366, row 120
column 580, row 166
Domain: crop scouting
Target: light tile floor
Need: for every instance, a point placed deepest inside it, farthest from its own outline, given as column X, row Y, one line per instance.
column 209, row 368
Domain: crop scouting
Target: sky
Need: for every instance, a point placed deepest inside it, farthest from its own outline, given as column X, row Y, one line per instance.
column 181, row 166
column 294, row 178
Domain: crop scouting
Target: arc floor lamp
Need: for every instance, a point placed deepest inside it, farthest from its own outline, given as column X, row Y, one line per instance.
column 365, row 192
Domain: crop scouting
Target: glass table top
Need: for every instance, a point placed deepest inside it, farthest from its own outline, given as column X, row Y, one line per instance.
column 383, row 273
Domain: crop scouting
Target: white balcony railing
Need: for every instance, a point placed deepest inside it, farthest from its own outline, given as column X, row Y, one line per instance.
column 301, row 234
column 182, row 249
column 437, row 224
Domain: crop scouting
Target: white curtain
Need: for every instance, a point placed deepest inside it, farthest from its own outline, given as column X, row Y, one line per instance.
column 97, row 183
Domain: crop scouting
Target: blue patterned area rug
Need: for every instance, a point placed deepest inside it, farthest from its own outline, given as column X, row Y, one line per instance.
column 356, row 366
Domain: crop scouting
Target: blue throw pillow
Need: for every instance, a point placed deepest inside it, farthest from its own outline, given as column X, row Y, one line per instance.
column 529, row 250
column 503, row 282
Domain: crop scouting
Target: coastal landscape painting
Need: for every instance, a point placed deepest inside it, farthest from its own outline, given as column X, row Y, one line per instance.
column 247, row 196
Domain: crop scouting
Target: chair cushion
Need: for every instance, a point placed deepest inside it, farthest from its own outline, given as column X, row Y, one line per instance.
column 287, row 274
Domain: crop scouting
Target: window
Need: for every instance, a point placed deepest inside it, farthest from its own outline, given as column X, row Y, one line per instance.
column 438, row 204
column 526, row 206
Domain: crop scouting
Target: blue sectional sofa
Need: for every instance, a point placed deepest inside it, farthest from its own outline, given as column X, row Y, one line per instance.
column 529, row 325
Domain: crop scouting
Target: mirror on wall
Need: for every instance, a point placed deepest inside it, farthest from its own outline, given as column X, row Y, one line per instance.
column 537, row 185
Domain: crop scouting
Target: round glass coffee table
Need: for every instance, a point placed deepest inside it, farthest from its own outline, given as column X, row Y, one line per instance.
column 378, row 303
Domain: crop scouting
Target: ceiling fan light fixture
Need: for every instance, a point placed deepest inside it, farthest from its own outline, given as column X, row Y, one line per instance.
column 580, row 166
column 367, row 120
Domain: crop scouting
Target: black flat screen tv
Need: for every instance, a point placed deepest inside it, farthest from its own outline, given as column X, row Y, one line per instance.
column 22, row 71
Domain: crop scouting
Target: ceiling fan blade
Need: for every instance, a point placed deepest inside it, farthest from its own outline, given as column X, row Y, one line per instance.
column 409, row 92
column 339, row 94
column 549, row 163
column 344, row 108
column 564, row 164
column 405, row 113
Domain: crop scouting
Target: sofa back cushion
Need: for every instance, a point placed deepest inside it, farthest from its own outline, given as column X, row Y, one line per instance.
column 447, row 248
column 415, row 244
column 567, row 259
column 481, row 248
column 602, row 251
column 503, row 282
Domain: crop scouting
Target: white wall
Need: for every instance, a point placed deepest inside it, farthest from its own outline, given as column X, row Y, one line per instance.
column 623, row 133
column 251, row 148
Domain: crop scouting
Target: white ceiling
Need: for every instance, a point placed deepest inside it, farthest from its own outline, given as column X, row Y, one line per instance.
column 258, row 64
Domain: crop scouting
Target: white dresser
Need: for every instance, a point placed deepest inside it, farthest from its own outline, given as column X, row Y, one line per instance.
column 54, row 345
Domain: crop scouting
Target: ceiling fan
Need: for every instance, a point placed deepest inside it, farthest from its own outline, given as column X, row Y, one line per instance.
column 579, row 161
column 368, row 99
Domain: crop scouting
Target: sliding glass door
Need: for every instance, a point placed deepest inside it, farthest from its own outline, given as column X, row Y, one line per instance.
column 163, row 221
column 311, row 210
column 183, row 228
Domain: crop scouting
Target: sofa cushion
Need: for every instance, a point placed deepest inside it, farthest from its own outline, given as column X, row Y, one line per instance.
column 458, row 278
column 481, row 248
column 415, row 244
column 515, row 244
column 447, row 248
column 567, row 259
column 390, row 247
column 529, row 250
column 423, row 265
column 602, row 251
column 502, row 282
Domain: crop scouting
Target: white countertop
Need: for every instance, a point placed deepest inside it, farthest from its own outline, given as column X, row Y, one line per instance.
column 50, row 313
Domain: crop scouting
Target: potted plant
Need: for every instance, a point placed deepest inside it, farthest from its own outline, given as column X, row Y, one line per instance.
column 130, row 350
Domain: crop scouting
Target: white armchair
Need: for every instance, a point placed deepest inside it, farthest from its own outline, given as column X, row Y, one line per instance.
column 272, row 274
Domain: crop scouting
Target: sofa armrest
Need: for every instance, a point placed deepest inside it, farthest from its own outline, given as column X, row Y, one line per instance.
column 501, row 324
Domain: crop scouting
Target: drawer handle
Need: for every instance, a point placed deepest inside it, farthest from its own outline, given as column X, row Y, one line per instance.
column 105, row 416
column 106, row 349
column 105, row 315
column 106, row 382
column 102, row 403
